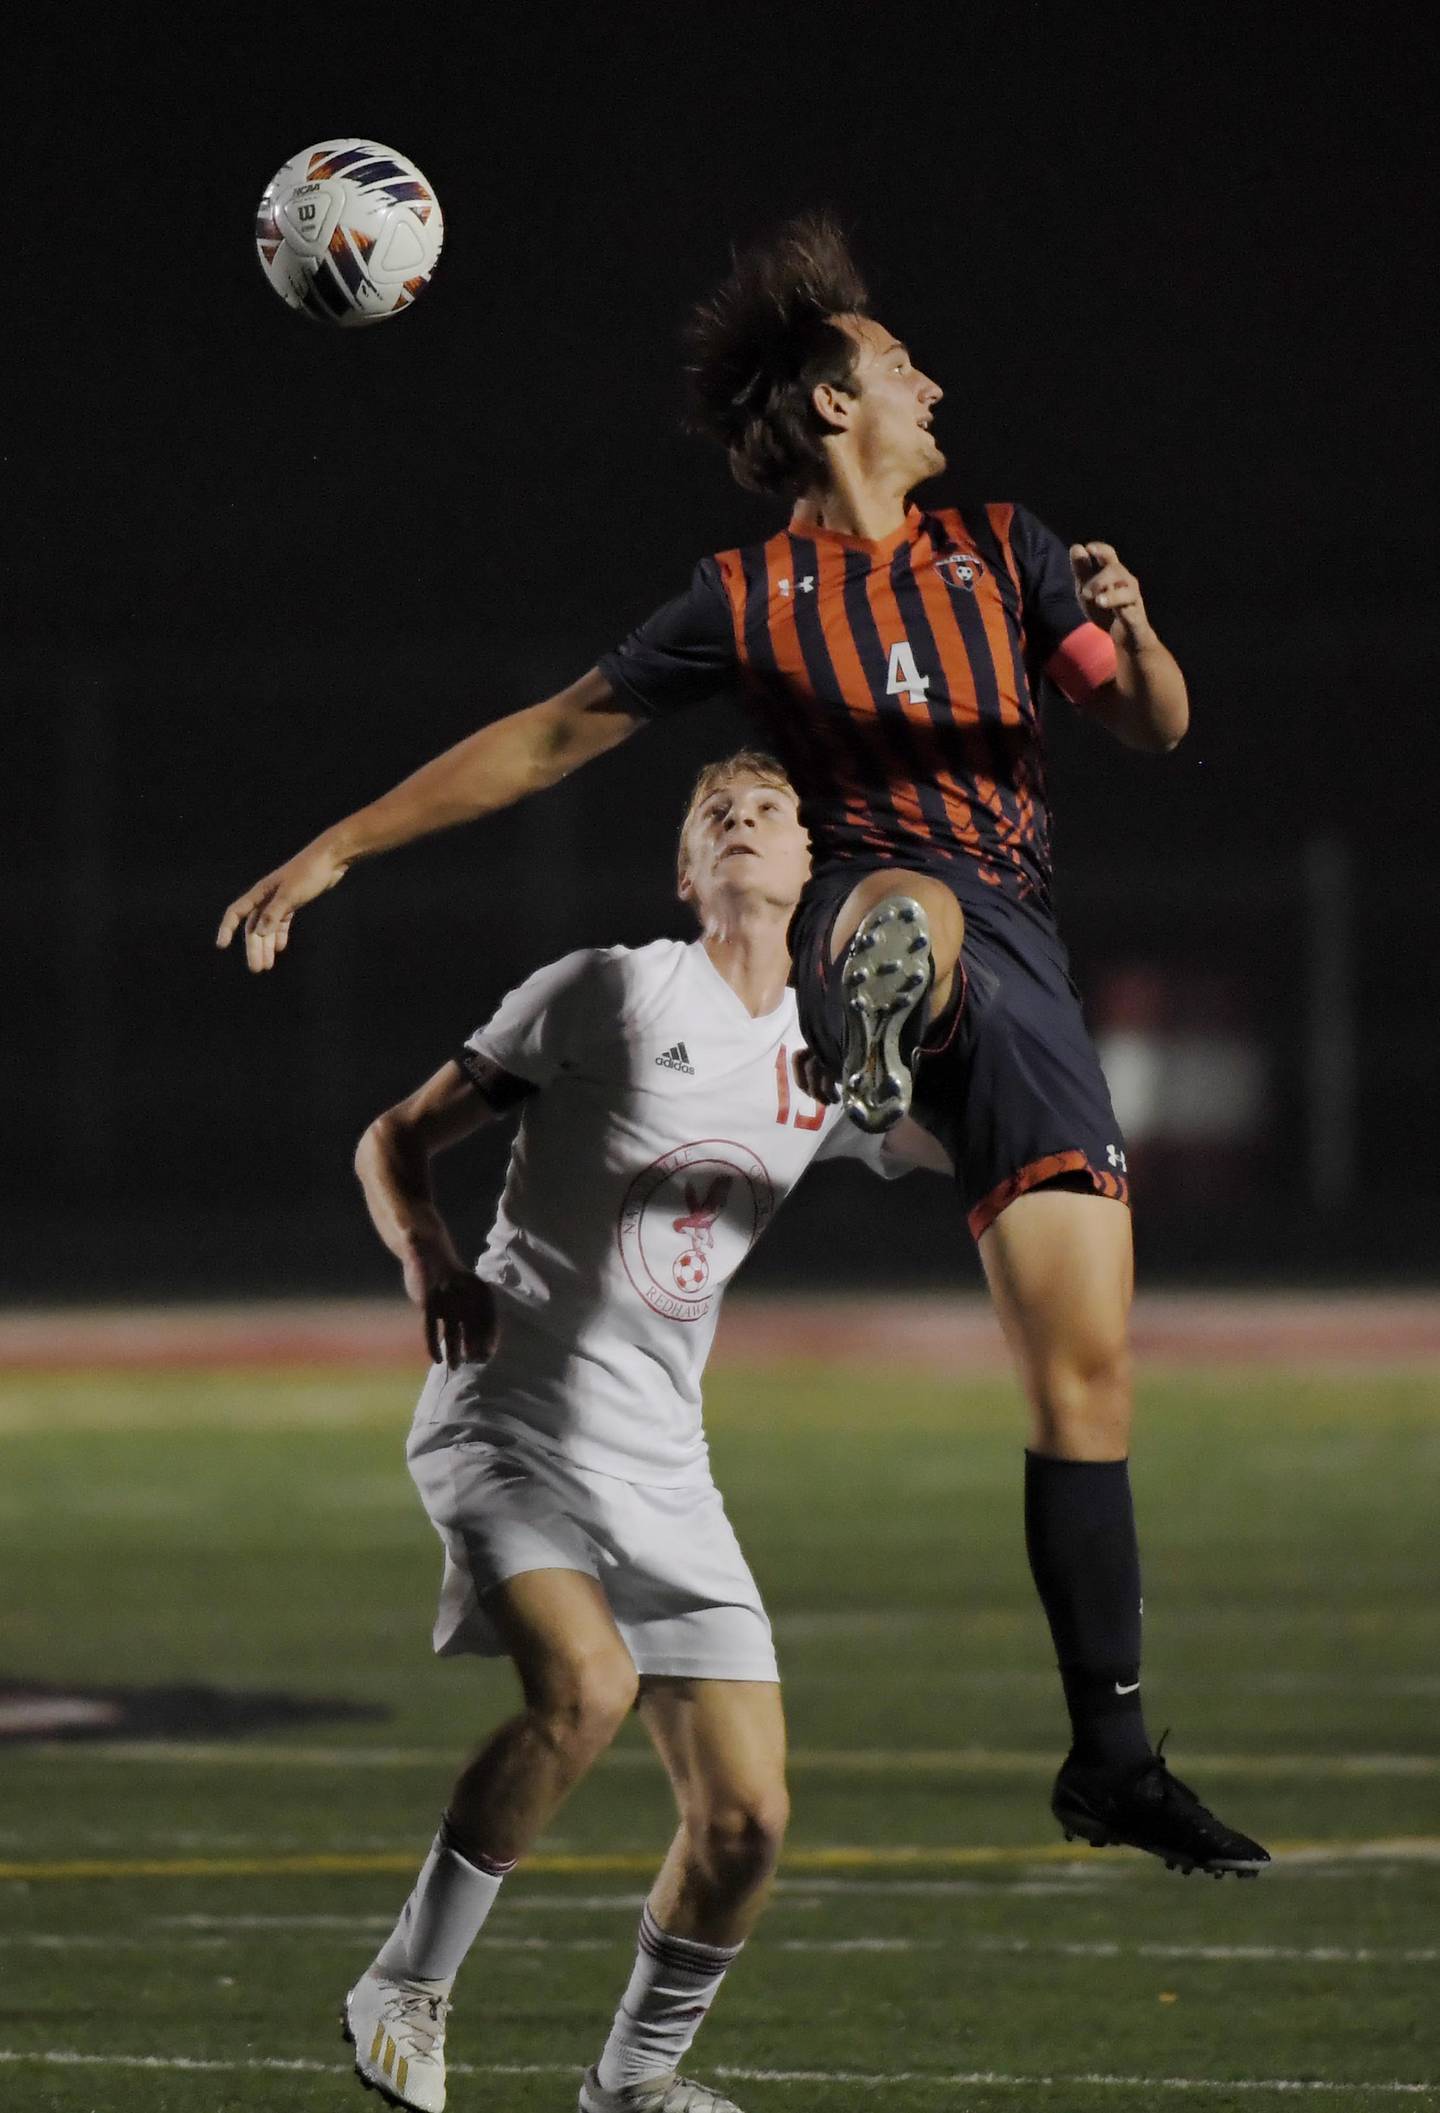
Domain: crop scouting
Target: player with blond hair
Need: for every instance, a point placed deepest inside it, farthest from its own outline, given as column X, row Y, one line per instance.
column 558, row 1444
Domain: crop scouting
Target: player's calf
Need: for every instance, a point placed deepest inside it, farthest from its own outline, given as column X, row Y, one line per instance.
column 576, row 1702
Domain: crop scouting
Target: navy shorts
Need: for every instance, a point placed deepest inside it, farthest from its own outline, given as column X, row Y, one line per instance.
column 1010, row 1084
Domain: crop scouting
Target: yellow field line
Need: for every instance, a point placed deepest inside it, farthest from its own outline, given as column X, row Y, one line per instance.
column 629, row 1863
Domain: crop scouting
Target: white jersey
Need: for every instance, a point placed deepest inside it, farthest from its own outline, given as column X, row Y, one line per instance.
column 668, row 1130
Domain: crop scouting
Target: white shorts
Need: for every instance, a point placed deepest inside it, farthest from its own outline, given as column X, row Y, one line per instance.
column 666, row 1558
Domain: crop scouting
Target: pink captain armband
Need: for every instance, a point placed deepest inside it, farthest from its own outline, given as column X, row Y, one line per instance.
column 1082, row 663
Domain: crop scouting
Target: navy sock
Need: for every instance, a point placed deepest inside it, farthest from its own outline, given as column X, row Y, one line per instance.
column 1085, row 1560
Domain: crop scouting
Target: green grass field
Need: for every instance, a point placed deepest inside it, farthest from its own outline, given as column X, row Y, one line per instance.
column 178, row 1921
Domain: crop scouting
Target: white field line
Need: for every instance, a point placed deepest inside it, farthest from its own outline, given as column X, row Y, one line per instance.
column 1061, row 1882
column 87, row 1941
column 964, row 1760
column 594, row 1904
column 975, row 2080
column 793, row 1896
column 361, row 1930
column 1259, row 1954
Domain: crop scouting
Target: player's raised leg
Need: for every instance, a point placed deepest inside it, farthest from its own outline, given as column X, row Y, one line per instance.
column 900, row 934
column 723, row 1744
column 579, row 1685
column 1060, row 1269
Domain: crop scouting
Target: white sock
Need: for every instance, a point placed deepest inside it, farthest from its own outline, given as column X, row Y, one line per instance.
column 443, row 1916
column 674, row 1983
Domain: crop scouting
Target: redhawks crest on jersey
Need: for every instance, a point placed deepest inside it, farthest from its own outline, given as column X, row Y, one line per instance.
column 670, row 1255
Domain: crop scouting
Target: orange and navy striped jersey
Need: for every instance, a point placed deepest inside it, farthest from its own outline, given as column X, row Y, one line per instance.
column 897, row 681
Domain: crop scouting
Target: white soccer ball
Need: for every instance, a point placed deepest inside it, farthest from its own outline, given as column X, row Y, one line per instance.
column 349, row 232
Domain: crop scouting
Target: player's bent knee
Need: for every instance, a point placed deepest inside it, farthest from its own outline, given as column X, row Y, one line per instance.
column 739, row 1839
column 586, row 1702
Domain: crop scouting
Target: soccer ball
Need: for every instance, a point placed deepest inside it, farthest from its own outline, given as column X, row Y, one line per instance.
column 349, row 232
column 692, row 1272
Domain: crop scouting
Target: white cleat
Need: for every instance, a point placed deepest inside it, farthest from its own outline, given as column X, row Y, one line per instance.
column 668, row 2094
column 888, row 971
column 397, row 2029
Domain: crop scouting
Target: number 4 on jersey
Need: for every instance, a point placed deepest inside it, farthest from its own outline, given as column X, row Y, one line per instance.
column 905, row 680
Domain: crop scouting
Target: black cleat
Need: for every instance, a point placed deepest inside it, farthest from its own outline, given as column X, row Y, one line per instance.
column 888, row 971
column 1148, row 1808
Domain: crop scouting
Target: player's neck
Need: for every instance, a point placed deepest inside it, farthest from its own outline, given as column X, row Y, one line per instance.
column 747, row 945
column 851, row 505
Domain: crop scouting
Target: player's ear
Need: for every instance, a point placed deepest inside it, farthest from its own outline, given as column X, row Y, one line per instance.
column 834, row 405
column 685, row 887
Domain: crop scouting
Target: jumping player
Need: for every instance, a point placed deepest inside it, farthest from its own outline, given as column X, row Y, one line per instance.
column 896, row 657
column 558, row 1443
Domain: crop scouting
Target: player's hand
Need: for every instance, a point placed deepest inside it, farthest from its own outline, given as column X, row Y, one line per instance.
column 268, row 909
column 460, row 1319
column 812, row 1078
column 1110, row 595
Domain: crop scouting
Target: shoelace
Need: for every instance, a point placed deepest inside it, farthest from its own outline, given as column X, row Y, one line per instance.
column 1182, row 1794
column 708, row 2101
column 420, row 2020
column 681, row 2096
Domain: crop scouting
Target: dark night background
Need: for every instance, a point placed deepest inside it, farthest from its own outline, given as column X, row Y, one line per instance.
column 1165, row 263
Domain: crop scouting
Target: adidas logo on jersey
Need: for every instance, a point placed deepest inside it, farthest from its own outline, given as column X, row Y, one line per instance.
column 677, row 1059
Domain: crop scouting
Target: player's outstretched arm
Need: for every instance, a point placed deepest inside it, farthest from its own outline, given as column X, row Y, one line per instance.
column 393, row 1163
column 1146, row 705
column 505, row 761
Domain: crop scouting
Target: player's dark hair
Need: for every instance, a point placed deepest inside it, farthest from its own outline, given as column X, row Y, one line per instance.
column 758, row 347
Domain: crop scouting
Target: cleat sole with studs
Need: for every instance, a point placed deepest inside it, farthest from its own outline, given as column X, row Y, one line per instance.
column 887, row 973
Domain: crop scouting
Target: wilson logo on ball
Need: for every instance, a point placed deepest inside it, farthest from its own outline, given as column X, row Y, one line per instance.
column 349, row 232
